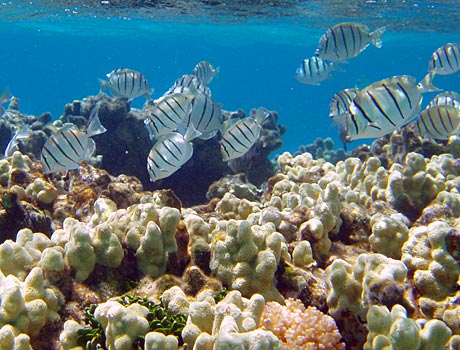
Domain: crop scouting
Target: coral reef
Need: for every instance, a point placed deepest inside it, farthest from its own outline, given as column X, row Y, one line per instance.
column 301, row 328
column 28, row 305
column 323, row 149
column 246, row 257
column 369, row 243
column 394, row 147
column 231, row 323
column 125, row 146
column 393, row 330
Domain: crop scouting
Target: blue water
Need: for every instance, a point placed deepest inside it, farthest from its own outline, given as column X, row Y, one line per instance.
column 50, row 58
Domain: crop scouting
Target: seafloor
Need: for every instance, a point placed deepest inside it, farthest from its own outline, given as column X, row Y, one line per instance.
column 318, row 250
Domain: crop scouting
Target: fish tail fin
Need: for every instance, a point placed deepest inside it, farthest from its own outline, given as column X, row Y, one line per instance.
column 24, row 132
column 337, row 67
column 376, row 36
column 95, row 126
column 148, row 94
column 5, row 96
column 261, row 114
column 216, row 71
column 191, row 133
column 104, row 85
column 192, row 91
column 426, row 85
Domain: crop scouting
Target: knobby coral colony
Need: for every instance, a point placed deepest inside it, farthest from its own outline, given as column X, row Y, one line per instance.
column 361, row 252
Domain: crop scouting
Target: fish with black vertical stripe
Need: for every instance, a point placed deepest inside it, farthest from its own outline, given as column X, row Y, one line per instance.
column 206, row 116
column 205, row 72
column 127, row 83
column 385, row 106
column 438, row 122
column 445, row 60
column 314, row 70
column 239, row 137
column 167, row 113
column 341, row 102
column 68, row 146
column 347, row 40
column 450, row 98
column 186, row 82
column 338, row 109
column 169, row 153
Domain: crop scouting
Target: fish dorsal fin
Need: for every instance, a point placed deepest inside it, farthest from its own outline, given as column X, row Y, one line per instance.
column 191, row 133
column 68, row 126
column 95, row 127
column 426, row 85
column 228, row 124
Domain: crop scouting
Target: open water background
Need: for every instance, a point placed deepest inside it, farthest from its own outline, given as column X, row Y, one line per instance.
column 53, row 52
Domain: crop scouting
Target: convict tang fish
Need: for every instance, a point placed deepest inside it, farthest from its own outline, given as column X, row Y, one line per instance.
column 347, row 40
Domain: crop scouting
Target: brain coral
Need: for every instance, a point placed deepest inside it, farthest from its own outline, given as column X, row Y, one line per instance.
column 301, row 328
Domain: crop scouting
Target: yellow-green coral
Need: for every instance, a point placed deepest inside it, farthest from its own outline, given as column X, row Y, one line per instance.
column 436, row 272
column 246, row 257
column 394, row 331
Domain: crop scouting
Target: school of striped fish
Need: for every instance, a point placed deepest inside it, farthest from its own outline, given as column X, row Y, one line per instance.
column 187, row 110
column 391, row 103
column 184, row 112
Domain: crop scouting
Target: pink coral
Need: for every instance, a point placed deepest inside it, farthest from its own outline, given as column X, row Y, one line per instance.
column 301, row 328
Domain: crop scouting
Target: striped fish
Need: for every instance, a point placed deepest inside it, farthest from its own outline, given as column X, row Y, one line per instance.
column 239, row 137
column 205, row 72
column 167, row 113
column 169, row 153
column 438, row 122
column 347, row 40
column 313, row 70
column 341, row 102
column 69, row 146
column 338, row 111
column 206, row 116
column 126, row 83
column 185, row 82
column 450, row 98
column 445, row 60
column 385, row 106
